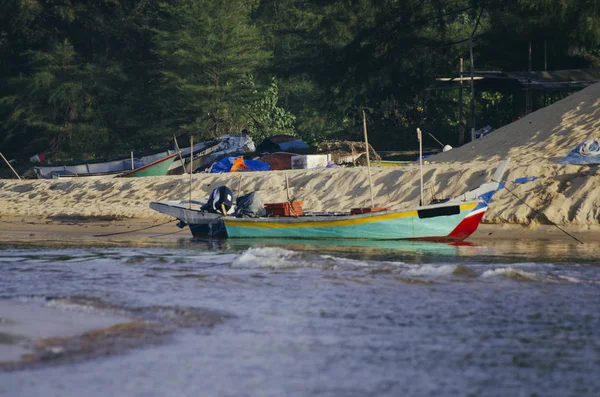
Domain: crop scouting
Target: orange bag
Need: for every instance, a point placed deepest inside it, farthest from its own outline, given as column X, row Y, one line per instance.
column 238, row 165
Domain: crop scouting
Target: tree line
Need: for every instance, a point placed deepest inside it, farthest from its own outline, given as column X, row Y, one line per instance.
column 88, row 79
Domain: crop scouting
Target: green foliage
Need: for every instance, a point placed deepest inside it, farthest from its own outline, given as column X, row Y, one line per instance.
column 96, row 78
column 57, row 105
column 207, row 50
column 266, row 119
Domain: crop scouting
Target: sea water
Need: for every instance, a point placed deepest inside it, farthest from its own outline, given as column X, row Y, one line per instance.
column 297, row 318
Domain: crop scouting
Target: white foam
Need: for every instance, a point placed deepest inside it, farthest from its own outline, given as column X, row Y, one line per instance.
column 267, row 257
column 431, row 270
column 348, row 263
column 571, row 279
column 511, row 272
column 65, row 304
column 280, row 258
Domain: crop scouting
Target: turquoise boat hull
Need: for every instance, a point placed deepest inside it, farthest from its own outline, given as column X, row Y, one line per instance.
column 434, row 222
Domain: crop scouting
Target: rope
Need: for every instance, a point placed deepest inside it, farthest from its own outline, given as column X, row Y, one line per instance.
column 131, row 231
column 168, row 234
column 539, row 213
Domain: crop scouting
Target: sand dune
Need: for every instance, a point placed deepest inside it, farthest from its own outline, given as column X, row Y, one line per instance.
column 542, row 137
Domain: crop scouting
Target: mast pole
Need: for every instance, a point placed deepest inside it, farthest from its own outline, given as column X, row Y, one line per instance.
column 421, row 162
column 368, row 159
column 191, row 166
column 472, row 91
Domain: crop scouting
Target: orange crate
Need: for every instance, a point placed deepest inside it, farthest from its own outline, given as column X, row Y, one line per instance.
column 284, row 209
column 356, row 211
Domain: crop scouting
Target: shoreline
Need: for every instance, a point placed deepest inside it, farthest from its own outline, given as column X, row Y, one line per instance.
column 94, row 231
column 566, row 195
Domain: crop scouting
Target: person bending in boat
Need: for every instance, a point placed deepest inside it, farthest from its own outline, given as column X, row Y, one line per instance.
column 219, row 201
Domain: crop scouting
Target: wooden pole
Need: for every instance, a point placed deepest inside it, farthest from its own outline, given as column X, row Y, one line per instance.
column 368, row 160
column 529, row 59
column 545, row 56
column 472, row 91
column 461, row 127
column 528, row 105
column 421, row 163
column 11, row 167
column 179, row 151
column 191, row 166
column 287, row 187
column 237, row 193
column 132, row 164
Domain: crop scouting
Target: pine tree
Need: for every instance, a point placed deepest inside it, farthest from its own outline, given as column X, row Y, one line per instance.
column 208, row 50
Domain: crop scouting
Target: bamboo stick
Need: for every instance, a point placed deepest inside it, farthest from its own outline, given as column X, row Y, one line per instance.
column 191, row 166
column 368, row 159
column 11, row 167
column 287, row 186
column 179, row 151
column 421, row 163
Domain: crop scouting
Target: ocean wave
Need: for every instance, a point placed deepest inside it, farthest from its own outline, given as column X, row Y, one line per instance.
column 280, row 258
column 517, row 274
column 513, row 274
column 273, row 258
column 431, row 270
column 83, row 304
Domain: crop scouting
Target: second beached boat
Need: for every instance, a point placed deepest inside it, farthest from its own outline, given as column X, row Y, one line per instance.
column 156, row 168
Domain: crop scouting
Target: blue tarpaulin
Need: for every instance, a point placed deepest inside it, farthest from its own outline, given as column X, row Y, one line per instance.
column 225, row 165
column 587, row 152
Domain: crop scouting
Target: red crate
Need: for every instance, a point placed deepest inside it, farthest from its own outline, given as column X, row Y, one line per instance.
column 284, row 209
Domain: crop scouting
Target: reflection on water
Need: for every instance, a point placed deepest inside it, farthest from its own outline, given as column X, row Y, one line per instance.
column 306, row 318
column 489, row 252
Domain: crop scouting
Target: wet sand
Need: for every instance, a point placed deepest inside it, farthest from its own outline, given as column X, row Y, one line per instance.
column 27, row 327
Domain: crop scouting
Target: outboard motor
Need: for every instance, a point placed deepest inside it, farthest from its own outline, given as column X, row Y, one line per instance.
column 219, row 201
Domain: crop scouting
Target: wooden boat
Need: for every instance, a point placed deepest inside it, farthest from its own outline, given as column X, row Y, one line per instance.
column 109, row 168
column 452, row 220
column 189, row 213
column 156, row 168
column 151, row 164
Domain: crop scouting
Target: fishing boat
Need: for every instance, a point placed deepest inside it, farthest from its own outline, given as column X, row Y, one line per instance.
column 151, row 164
column 156, row 168
column 452, row 220
column 154, row 163
column 190, row 213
